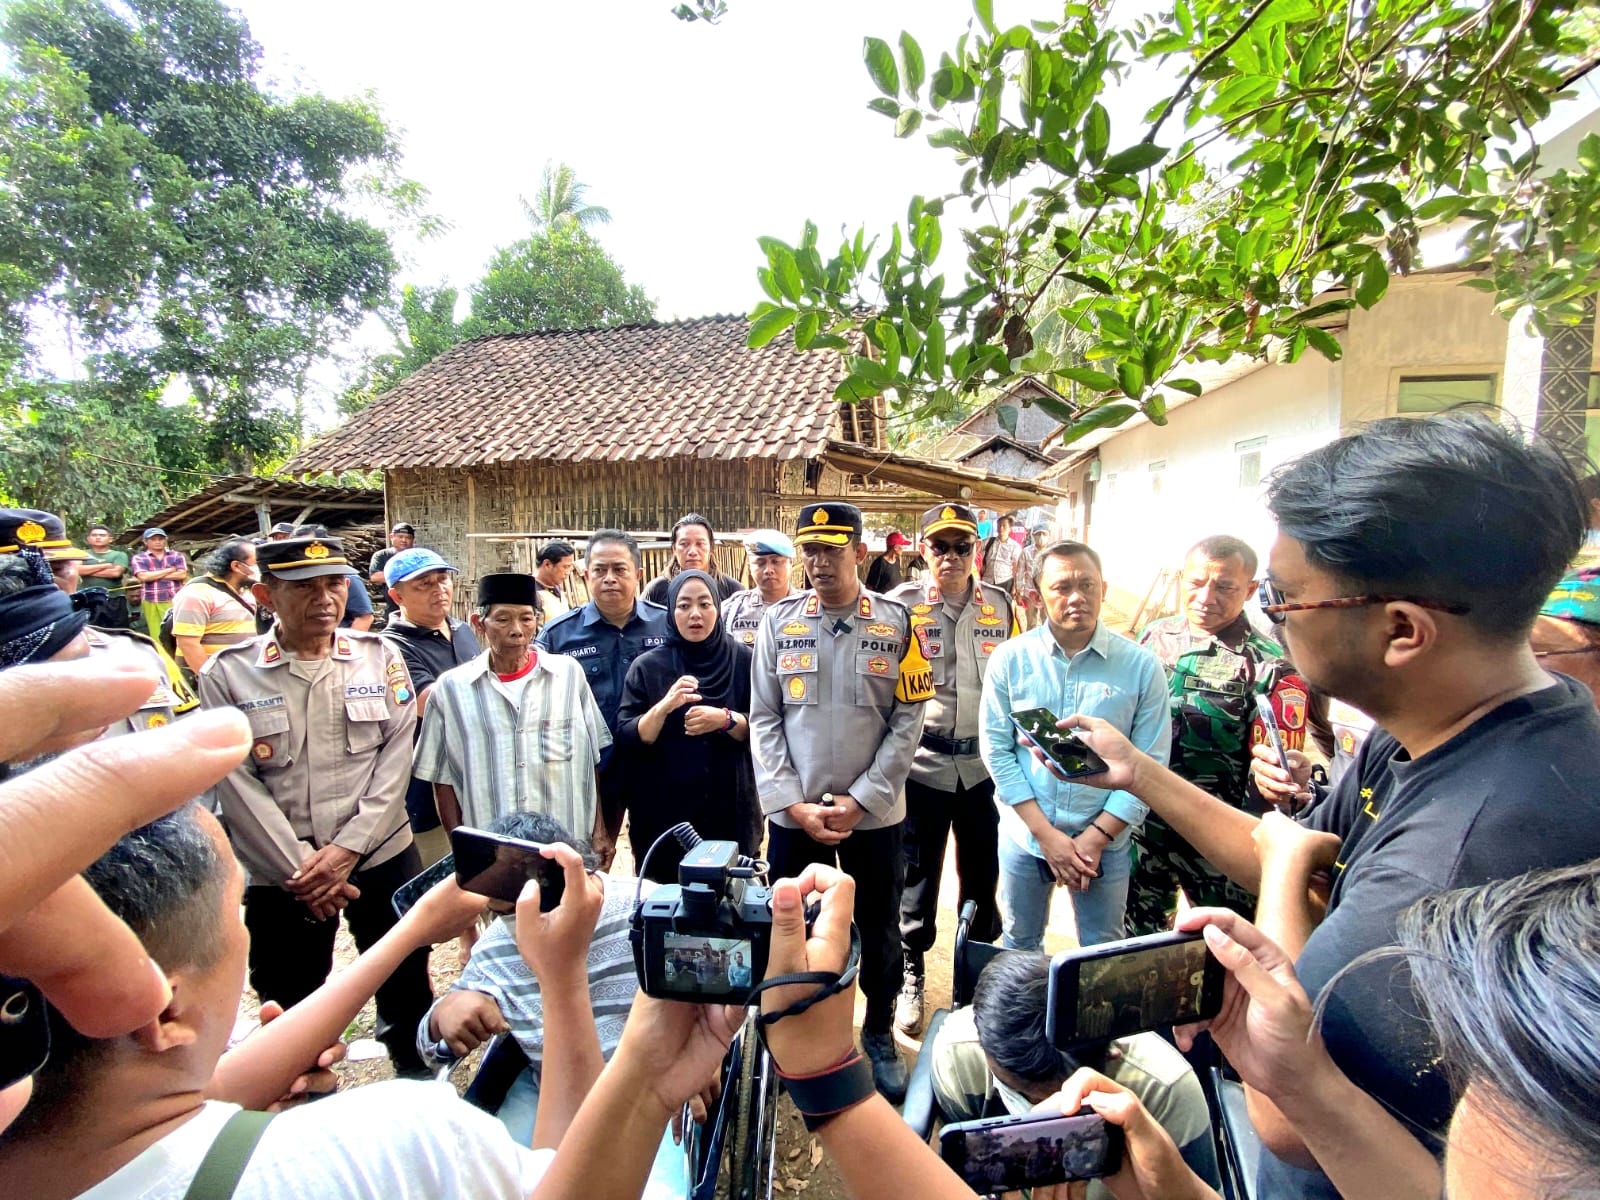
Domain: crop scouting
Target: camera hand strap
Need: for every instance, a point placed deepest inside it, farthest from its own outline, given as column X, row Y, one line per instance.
column 831, row 984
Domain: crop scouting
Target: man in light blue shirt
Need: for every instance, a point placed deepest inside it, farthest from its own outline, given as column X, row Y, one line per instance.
column 1053, row 833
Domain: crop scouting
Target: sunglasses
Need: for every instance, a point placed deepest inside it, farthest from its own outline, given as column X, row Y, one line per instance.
column 959, row 549
column 1275, row 608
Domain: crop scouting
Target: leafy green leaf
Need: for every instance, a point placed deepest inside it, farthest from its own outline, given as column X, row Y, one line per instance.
column 786, row 273
column 1373, row 283
column 909, row 122
column 768, row 326
column 880, row 65
column 1006, row 414
column 882, row 104
column 1135, row 158
column 1096, row 133
column 1097, row 381
column 985, row 11
column 1324, row 343
column 1104, row 417
column 911, row 58
column 1189, row 386
column 805, row 330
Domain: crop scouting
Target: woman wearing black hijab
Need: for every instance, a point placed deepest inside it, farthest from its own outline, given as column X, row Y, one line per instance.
column 685, row 731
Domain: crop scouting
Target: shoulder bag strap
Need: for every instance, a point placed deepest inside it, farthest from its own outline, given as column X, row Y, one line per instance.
column 224, row 1164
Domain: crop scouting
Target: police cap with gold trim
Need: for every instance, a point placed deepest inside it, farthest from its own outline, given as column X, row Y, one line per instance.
column 829, row 524
column 44, row 531
column 950, row 516
column 303, row 558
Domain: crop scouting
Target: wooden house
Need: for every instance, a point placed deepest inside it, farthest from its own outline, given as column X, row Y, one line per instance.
column 503, row 442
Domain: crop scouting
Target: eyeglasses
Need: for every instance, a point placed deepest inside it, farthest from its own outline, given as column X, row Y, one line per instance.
column 1274, row 607
column 1571, row 650
column 959, row 549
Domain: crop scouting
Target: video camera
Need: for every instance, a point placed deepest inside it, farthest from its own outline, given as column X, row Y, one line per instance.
column 705, row 938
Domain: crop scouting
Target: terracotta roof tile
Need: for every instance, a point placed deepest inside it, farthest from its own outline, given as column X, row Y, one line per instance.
column 689, row 388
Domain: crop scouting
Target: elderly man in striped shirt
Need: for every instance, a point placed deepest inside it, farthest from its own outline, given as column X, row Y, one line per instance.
column 516, row 729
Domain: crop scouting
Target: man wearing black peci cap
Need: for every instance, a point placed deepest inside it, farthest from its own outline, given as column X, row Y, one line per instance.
column 317, row 812
column 837, row 690
column 962, row 622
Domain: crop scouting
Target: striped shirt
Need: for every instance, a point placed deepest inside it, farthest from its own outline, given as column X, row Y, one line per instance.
column 496, row 969
column 535, row 754
column 214, row 613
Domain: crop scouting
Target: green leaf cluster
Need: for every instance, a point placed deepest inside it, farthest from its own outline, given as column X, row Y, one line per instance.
column 1284, row 180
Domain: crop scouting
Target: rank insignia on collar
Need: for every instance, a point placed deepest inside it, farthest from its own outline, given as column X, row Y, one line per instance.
column 270, row 653
column 813, row 605
column 341, row 644
column 933, row 593
column 865, row 607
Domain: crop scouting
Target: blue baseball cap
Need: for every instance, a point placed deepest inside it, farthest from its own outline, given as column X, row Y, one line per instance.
column 768, row 541
column 415, row 561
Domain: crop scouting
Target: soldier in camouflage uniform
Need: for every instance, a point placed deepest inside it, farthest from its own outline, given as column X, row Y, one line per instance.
column 1216, row 666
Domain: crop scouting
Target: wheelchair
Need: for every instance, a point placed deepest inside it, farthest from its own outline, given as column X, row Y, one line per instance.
column 1238, row 1149
column 729, row 1157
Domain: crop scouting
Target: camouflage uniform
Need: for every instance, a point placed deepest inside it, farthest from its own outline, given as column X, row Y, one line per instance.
column 1214, row 680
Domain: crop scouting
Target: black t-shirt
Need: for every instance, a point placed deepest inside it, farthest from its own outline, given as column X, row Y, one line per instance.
column 1517, row 790
column 883, row 576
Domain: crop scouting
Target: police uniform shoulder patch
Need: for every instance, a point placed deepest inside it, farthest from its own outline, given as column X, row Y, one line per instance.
column 916, row 674
column 864, row 606
column 797, row 687
column 399, row 682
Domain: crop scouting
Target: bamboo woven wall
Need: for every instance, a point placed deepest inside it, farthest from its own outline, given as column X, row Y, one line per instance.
column 518, row 498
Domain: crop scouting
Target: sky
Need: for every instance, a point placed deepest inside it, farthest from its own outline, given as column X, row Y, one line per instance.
column 699, row 138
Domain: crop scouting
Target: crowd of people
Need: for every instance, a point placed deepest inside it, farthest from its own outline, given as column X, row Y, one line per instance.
column 1403, row 900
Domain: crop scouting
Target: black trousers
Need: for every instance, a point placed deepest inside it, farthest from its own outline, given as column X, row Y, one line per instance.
column 872, row 857
column 930, row 816
column 291, row 953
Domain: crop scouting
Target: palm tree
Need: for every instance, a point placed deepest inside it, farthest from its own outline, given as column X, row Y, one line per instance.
column 560, row 201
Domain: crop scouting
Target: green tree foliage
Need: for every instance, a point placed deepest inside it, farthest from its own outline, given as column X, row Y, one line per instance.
column 1283, row 180
column 176, row 218
column 561, row 201
column 424, row 326
column 560, row 278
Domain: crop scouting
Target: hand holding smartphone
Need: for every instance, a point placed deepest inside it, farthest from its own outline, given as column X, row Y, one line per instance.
column 1120, row 988
column 1036, row 1149
column 496, row 866
column 1269, row 722
column 1069, row 752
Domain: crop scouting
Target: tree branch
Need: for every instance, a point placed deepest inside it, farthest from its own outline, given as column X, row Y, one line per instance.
column 1211, row 56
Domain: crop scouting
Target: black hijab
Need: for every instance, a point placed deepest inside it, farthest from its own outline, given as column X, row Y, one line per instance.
column 713, row 661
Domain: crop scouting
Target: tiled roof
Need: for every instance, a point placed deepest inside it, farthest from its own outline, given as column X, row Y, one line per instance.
column 686, row 389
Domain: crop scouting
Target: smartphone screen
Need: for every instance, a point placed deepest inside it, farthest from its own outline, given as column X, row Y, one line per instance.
column 496, row 866
column 1003, row 1154
column 1121, row 988
column 412, row 890
column 1269, row 722
column 1064, row 748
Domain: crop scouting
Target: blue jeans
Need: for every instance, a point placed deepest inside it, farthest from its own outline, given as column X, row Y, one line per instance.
column 1026, row 886
column 669, row 1174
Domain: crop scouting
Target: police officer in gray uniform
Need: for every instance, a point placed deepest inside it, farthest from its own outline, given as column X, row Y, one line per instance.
column 837, row 692
column 962, row 622
column 771, row 557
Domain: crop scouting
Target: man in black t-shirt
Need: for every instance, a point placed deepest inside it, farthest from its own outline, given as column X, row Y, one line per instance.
column 1411, row 560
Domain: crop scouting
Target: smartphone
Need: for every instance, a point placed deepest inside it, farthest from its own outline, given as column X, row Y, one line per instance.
column 1269, row 722
column 412, row 890
column 1120, row 988
column 1067, row 750
column 496, row 866
column 24, row 1030
column 1005, row 1154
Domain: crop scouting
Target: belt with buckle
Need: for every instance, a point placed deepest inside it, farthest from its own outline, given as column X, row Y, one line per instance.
column 959, row 747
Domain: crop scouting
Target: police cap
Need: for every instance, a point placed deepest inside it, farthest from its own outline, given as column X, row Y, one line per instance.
column 829, row 524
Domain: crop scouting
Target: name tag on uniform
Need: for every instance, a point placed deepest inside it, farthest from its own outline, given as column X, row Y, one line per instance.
column 655, row 640
column 365, row 691
column 249, row 706
column 581, row 651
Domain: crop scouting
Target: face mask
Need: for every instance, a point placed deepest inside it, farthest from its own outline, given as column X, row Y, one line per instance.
column 252, row 574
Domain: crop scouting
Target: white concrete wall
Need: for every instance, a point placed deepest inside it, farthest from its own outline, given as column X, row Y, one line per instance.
column 1138, row 530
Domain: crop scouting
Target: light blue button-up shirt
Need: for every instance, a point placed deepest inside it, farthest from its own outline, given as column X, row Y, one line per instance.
column 1111, row 678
